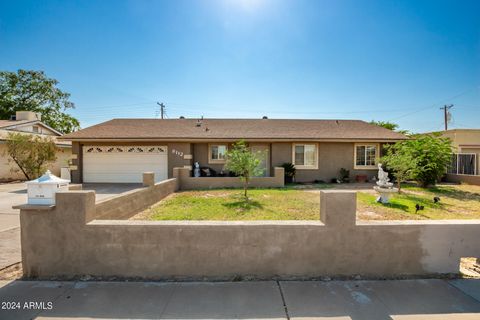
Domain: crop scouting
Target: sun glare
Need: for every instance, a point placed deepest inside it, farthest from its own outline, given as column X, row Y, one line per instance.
column 247, row 5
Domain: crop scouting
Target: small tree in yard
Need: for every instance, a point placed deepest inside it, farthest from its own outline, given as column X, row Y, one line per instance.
column 423, row 158
column 244, row 163
column 399, row 160
column 31, row 153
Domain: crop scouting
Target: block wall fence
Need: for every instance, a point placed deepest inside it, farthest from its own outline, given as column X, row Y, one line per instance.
column 67, row 240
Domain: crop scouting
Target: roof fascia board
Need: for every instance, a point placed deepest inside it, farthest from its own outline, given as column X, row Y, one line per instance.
column 226, row 140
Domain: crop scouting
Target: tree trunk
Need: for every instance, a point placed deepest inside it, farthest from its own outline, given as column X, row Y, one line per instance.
column 245, row 187
column 399, row 185
column 21, row 169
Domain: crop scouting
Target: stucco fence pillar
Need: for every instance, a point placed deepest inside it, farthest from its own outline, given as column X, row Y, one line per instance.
column 187, row 182
column 67, row 240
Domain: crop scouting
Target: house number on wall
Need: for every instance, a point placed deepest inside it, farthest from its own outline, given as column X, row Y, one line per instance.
column 177, row 153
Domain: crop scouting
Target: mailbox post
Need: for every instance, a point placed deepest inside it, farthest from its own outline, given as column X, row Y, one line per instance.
column 42, row 191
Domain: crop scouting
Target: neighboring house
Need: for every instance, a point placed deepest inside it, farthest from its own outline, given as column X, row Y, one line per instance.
column 466, row 144
column 120, row 150
column 28, row 122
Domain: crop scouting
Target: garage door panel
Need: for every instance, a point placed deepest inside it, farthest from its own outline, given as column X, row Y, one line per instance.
column 116, row 165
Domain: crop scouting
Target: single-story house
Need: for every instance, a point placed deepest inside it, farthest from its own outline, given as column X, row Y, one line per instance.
column 28, row 122
column 466, row 146
column 120, row 150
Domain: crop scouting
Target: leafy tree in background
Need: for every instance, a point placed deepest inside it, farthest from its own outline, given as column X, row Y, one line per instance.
column 28, row 90
column 424, row 158
column 389, row 125
column 31, row 153
column 385, row 124
column 244, row 163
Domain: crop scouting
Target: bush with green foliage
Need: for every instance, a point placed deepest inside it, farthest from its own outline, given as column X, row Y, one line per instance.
column 31, row 153
column 344, row 176
column 244, row 163
column 289, row 171
column 424, row 158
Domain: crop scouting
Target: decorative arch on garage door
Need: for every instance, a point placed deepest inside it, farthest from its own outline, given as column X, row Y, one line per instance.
column 124, row 164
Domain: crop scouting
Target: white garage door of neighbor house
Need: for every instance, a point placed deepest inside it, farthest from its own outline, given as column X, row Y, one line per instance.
column 124, row 164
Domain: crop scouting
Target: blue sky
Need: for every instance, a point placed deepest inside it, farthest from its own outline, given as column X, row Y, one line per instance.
column 342, row 59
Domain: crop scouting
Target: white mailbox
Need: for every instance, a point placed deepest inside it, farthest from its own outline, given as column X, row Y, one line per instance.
column 42, row 190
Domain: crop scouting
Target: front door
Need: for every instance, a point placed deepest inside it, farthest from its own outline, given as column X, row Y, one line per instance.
column 263, row 150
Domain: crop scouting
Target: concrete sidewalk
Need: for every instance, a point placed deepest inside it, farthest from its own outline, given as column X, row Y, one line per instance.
column 399, row 299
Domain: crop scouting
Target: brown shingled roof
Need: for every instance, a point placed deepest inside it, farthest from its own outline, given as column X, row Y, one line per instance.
column 269, row 129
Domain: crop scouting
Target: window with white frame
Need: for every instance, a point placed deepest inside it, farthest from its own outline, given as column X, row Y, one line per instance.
column 217, row 152
column 366, row 155
column 305, row 156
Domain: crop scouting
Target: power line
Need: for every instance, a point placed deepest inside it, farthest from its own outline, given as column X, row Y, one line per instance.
column 447, row 115
column 435, row 104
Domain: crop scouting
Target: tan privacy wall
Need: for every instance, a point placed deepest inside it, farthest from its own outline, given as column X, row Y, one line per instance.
column 130, row 203
column 187, row 182
column 64, row 241
column 465, row 178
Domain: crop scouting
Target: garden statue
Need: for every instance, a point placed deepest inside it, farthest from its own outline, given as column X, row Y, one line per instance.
column 384, row 187
column 196, row 170
column 383, row 179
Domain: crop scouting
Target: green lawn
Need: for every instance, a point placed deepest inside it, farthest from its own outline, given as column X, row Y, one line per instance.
column 456, row 202
column 303, row 203
column 229, row 204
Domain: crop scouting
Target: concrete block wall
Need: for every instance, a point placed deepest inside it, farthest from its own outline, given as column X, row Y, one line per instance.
column 66, row 241
column 463, row 178
column 187, row 182
column 130, row 203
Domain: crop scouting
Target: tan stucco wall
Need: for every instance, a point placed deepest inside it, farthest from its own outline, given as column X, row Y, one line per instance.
column 129, row 204
column 463, row 178
column 65, row 241
column 200, row 154
column 332, row 156
column 461, row 137
column 176, row 154
column 6, row 173
column 187, row 182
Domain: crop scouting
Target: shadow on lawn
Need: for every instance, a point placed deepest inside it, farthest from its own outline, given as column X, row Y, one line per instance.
column 407, row 202
column 448, row 191
column 244, row 205
column 455, row 193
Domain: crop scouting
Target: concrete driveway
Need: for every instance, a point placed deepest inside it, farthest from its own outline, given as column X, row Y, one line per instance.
column 104, row 191
column 11, row 194
column 358, row 300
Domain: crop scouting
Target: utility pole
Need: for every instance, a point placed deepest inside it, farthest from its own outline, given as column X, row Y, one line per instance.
column 446, row 114
column 162, row 109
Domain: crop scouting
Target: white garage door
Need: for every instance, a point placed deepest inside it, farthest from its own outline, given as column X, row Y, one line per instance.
column 124, row 164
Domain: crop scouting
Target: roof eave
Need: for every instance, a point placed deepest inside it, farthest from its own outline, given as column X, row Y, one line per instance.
column 187, row 139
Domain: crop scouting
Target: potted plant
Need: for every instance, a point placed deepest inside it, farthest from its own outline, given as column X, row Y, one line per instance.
column 344, row 176
column 289, row 171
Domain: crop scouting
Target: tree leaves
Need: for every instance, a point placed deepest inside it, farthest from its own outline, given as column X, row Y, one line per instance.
column 423, row 158
column 28, row 90
column 31, row 153
column 243, row 162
